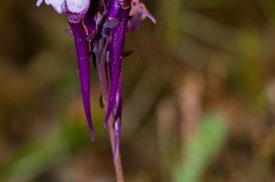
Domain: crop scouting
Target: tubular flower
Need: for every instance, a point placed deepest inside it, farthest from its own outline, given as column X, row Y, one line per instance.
column 99, row 28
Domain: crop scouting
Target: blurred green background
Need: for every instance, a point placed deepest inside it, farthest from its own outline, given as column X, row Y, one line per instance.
column 199, row 96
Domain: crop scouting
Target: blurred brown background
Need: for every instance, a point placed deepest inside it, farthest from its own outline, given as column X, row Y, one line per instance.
column 199, row 96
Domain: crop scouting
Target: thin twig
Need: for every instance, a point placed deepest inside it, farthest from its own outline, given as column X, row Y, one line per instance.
column 104, row 87
column 117, row 161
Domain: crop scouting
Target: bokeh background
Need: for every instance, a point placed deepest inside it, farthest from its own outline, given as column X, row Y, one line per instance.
column 199, row 96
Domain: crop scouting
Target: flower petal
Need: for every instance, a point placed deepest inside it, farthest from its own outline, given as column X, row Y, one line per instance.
column 39, row 2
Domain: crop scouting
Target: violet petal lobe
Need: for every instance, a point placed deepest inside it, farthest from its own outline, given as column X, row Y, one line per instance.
column 116, row 51
column 82, row 50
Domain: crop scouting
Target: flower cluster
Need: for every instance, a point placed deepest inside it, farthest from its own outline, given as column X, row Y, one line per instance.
column 99, row 28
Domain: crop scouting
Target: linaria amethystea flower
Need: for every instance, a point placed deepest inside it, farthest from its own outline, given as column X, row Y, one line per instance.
column 99, row 28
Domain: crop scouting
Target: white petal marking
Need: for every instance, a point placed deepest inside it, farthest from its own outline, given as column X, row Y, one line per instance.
column 78, row 6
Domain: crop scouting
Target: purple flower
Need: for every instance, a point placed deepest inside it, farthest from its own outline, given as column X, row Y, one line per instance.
column 99, row 28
